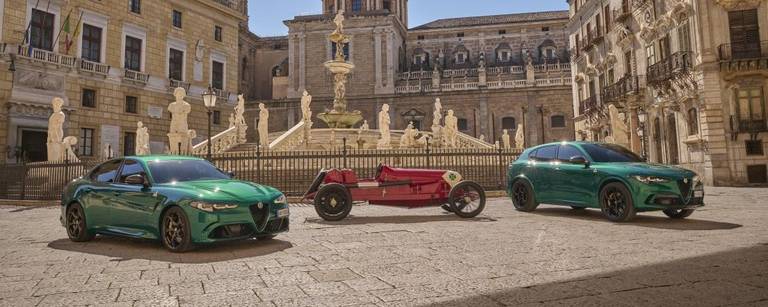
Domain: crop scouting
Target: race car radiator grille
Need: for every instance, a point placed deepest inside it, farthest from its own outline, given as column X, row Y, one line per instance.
column 260, row 215
column 685, row 188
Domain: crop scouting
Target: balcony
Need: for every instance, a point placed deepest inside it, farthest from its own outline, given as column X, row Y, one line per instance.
column 595, row 36
column 221, row 94
column 670, row 68
column 588, row 105
column 94, row 68
column 586, row 44
column 743, row 56
column 174, row 84
column 752, row 126
column 136, row 77
column 622, row 14
column 47, row 57
column 625, row 87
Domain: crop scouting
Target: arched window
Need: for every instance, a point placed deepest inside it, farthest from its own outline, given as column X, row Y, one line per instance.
column 503, row 53
column 357, row 6
column 693, row 121
column 557, row 121
column 461, row 55
column 508, row 123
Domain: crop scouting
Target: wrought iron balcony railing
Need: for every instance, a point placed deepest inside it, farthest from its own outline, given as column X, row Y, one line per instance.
column 588, row 105
column 622, row 14
column 671, row 67
column 626, row 86
column 743, row 51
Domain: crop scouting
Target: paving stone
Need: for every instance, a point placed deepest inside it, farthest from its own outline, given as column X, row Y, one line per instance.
column 187, row 288
column 333, row 275
column 286, row 279
column 233, row 284
column 143, row 293
column 81, row 298
column 236, row 298
column 279, row 293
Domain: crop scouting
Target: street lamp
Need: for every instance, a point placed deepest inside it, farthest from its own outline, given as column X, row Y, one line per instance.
column 642, row 117
column 209, row 99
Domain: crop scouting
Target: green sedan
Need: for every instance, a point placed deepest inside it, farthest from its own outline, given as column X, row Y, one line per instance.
column 181, row 201
column 605, row 176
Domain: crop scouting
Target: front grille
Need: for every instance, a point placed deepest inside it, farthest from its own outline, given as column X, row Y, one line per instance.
column 685, row 188
column 260, row 216
column 231, row 231
column 278, row 225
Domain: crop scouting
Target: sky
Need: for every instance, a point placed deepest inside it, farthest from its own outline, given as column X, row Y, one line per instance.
column 267, row 16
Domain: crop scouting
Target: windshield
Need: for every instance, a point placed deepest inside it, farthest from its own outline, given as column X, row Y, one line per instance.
column 184, row 170
column 610, row 153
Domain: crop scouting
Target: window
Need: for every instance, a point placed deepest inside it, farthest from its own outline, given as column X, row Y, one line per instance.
column 131, row 104
column 176, row 64
column 217, row 75
column 134, row 6
column 461, row 58
column 545, row 29
column 508, row 123
column 41, row 30
column 693, row 121
column 754, row 147
column 607, row 14
column 751, row 109
column 684, row 36
column 650, row 53
column 91, row 43
column 217, row 33
column 548, row 153
column 346, row 51
column 420, row 37
column 502, row 32
column 461, row 34
column 628, row 63
column 216, row 117
column 176, row 16
column 183, row 171
column 133, row 53
column 504, row 56
column 130, row 168
column 357, row 6
column 567, row 152
column 665, row 49
column 89, row 98
column 557, row 121
column 462, row 124
column 387, row 5
column 86, row 142
column 745, row 34
column 757, row 173
column 610, row 153
column 129, row 144
column 106, row 172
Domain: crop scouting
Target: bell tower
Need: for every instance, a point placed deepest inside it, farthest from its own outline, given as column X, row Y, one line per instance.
column 398, row 8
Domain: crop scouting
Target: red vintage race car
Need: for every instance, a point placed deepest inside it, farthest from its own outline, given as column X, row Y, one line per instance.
column 333, row 191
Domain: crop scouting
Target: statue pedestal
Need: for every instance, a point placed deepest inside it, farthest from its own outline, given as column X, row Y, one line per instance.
column 179, row 143
column 55, row 152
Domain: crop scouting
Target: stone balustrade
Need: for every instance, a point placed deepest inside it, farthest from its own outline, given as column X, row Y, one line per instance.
column 94, row 68
column 136, row 76
column 474, row 85
column 221, row 142
column 47, row 57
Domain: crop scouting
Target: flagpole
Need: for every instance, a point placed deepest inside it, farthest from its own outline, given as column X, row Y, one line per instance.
column 75, row 33
column 29, row 24
column 66, row 23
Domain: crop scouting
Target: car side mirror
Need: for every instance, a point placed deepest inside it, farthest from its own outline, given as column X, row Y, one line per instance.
column 137, row 180
column 579, row 160
column 231, row 174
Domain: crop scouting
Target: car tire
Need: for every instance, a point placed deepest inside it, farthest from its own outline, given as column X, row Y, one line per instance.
column 523, row 197
column 616, row 203
column 77, row 226
column 175, row 231
column 678, row 214
column 333, row 202
column 467, row 195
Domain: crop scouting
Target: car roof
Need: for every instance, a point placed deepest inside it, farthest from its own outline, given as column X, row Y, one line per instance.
column 566, row 143
column 161, row 158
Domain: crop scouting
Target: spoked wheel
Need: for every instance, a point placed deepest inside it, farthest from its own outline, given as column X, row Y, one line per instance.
column 616, row 203
column 467, row 199
column 523, row 197
column 77, row 229
column 678, row 213
column 333, row 202
column 175, row 231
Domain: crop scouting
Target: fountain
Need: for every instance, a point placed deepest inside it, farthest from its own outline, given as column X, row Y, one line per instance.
column 339, row 117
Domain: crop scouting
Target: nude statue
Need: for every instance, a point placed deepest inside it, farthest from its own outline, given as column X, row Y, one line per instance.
column 384, row 122
column 180, row 110
column 263, row 126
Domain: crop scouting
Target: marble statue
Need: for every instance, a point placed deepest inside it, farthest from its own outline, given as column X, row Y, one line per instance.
column 197, row 68
column 199, row 50
column 56, row 131
column 306, row 111
column 239, row 119
column 69, row 143
column 179, row 136
column 339, row 22
column 108, row 152
column 451, row 131
column 263, row 126
column 231, row 120
column 437, row 116
column 520, row 137
column 384, row 122
column 409, row 134
column 618, row 127
column 482, row 138
column 365, row 126
column 505, row 139
column 142, row 140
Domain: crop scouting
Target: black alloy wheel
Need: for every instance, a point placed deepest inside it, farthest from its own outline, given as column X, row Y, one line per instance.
column 522, row 196
column 616, row 203
column 77, row 228
column 175, row 231
column 333, row 202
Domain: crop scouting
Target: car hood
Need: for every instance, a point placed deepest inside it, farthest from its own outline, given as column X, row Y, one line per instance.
column 649, row 169
column 224, row 190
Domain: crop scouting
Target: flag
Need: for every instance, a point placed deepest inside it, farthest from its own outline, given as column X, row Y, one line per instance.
column 70, row 35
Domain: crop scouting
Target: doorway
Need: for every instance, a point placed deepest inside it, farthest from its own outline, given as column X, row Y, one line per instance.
column 672, row 149
column 33, row 145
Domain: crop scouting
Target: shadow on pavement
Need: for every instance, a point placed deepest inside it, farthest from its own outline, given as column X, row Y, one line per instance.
column 126, row 248
column 399, row 219
column 736, row 277
column 640, row 220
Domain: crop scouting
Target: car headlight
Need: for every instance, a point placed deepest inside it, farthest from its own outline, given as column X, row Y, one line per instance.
column 209, row 207
column 281, row 200
column 650, row 179
column 696, row 179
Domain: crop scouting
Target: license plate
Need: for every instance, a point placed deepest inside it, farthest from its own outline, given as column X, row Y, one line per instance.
column 283, row 212
column 698, row 194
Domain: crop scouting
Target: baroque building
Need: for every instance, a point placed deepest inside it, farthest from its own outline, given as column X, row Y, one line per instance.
column 114, row 63
column 682, row 82
column 495, row 72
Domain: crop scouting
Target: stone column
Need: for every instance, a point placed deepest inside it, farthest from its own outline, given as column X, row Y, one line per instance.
column 485, row 116
column 378, row 57
column 391, row 58
column 292, row 89
column 634, row 125
column 302, row 62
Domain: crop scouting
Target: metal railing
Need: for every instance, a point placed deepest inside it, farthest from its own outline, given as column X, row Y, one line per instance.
column 678, row 63
column 743, row 51
column 621, row 14
column 627, row 85
column 292, row 172
column 588, row 105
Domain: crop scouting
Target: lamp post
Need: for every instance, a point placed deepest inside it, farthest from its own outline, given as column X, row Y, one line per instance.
column 642, row 117
column 209, row 99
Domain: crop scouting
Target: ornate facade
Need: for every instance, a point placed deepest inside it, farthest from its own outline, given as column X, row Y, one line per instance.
column 493, row 71
column 687, row 78
column 114, row 62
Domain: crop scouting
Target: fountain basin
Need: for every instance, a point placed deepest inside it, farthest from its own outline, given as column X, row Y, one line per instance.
column 341, row 120
column 339, row 67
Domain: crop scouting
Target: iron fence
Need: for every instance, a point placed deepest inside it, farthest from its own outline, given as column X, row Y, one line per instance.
column 291, row 172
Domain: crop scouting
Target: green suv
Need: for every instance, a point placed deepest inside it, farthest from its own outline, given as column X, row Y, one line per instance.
column 599, row 175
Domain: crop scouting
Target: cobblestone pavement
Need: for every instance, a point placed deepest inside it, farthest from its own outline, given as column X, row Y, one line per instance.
column 394, row 257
